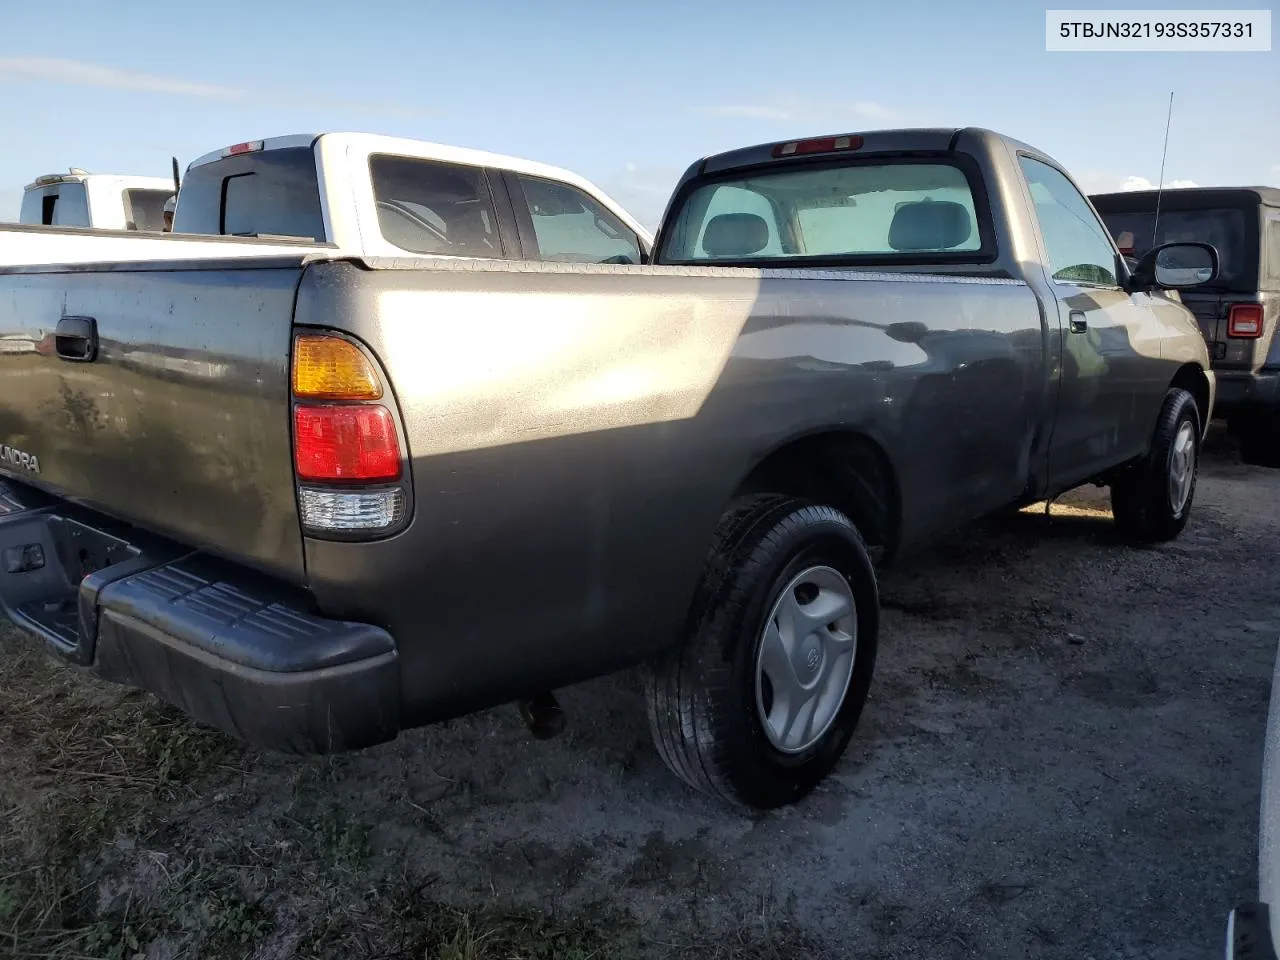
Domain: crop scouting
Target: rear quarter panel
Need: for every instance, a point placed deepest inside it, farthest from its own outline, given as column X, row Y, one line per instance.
column 575, row 433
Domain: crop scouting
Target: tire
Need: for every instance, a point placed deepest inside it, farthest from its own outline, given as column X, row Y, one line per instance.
column 707, row 697
column 1148, row 505
column 1260, row 439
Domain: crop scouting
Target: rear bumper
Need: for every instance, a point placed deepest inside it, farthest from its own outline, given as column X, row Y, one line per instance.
column 230, row 647
column 1239, row 392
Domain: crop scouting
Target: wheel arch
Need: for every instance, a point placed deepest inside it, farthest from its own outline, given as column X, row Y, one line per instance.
column 1191, row 377
column 844, row 468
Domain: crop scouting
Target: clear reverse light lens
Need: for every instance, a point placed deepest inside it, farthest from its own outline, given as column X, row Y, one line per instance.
column 348, row 511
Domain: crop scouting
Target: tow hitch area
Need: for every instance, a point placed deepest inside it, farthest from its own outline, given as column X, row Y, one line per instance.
column 543, row 714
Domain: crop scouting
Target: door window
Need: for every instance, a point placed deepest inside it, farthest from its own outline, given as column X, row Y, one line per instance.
column 570, row 226
column 1077, row 243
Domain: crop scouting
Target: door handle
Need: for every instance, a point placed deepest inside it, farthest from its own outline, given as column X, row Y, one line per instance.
column 1077, row 322
column 76, row 339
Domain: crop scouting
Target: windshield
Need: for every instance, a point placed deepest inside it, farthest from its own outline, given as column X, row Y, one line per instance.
column 890, row 211
column 1222, row 227
column 272, row 192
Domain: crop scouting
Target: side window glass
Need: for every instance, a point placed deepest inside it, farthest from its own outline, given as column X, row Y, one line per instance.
column 425, row 206
column 1079, row 246
column 570, row 226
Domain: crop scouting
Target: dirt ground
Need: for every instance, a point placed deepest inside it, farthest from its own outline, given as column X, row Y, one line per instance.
column 1060, row 758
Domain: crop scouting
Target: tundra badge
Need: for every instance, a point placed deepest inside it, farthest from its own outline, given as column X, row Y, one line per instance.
column 19, row 458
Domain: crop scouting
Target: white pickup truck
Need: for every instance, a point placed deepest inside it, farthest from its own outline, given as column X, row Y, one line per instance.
column 361, row 195
column 100, row 201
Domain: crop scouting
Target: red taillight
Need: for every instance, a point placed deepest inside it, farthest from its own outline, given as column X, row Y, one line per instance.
column 345, row 443
column 798, row 148
column 1245, row 321
column 252, row 146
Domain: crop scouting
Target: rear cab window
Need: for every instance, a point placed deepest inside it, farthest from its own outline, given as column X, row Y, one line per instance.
column 264, row 193
column 58, row 204
column 869, row 211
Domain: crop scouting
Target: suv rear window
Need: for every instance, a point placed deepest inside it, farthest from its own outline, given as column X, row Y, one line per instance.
column 887, row 211
column 144, row 209
column 1224, row 227
column 273, row 192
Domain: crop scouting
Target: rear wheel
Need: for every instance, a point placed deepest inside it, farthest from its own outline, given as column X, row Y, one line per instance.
column 1151, row 500
column 758, row 702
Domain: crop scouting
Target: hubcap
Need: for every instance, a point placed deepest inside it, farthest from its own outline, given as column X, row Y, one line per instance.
column 1182, row 467
column 806, row 658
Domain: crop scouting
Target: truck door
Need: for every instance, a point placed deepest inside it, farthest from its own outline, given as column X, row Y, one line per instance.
column 1113, row 379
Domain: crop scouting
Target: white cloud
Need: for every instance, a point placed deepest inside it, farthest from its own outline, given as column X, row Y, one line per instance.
column 1131, row 183
column 807, row 111
column 1100, row 181
column 81, row 74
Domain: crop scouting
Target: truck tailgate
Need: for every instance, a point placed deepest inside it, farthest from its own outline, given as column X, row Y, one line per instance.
column 179, row 423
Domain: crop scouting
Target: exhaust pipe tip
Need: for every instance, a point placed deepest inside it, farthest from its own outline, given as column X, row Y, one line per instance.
column 543, row 715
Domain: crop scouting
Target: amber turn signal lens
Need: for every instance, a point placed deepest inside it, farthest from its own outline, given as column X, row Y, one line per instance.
column 329, row 368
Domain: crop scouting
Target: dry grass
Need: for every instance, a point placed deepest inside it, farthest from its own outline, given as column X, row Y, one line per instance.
column 104, row 856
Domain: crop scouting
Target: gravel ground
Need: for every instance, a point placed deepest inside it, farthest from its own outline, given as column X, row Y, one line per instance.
column 1060, row 758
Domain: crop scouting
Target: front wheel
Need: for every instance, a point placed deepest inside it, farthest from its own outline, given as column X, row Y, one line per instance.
column 758, row 702
column 1151, row 500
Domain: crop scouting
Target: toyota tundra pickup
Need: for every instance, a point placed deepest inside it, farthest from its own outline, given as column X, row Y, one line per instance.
column 316, row 498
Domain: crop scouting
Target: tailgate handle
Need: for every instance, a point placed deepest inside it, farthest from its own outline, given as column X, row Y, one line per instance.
column 76, row 339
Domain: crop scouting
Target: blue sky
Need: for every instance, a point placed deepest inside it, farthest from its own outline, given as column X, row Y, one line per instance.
column 625, row 94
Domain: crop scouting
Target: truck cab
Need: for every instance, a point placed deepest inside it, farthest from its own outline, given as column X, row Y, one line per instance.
column 100, row 201
column 394, row 197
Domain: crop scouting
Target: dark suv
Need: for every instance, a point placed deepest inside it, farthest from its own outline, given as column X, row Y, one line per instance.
column 1240, row 311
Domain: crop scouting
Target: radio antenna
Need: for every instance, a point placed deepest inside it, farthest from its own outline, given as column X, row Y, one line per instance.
column 1155, row 226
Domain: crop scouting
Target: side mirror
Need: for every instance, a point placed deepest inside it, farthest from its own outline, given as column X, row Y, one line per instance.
column 1175, row 266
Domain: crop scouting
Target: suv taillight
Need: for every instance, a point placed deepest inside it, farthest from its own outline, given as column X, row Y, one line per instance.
column 1245, row 321
column 347, row 455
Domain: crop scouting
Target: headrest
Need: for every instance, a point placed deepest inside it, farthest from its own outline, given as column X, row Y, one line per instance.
column 735, row 235
column 930, row 225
